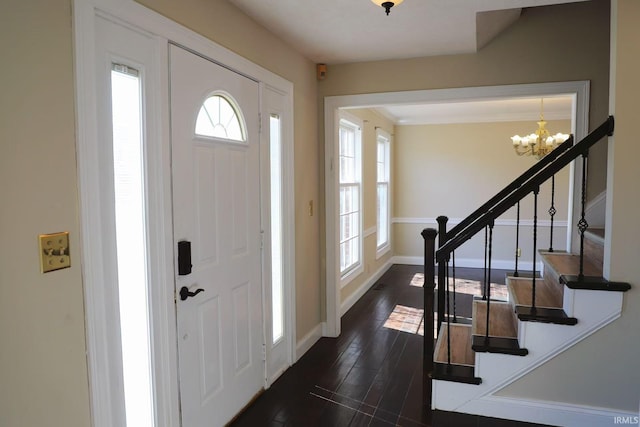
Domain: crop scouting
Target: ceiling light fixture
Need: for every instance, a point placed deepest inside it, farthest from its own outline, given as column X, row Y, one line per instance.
column 387, row 4
column 541, row 142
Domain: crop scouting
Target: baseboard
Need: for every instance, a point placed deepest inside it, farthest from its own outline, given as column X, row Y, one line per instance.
column 595, row 210
column 471, row 263
column 354, row 297
column 408, row 260
column 304, row 344
column 552, row 413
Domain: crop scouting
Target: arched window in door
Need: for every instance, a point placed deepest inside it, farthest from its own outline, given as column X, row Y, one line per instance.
column 220, row 118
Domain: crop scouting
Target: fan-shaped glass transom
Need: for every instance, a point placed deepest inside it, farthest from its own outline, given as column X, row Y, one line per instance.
column 218, row 118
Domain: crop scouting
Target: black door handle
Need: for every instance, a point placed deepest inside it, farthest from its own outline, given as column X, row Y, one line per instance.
column 186, row 293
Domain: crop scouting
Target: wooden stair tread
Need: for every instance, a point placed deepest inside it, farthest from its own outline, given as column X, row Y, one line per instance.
column 501, row 319
column 461, row 352
column 593, row 283
column 455, row 373
column 520, row 291
column 568, row 264
column 499, row 345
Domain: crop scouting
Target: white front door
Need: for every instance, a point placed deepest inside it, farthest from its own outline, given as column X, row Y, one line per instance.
column 216, row 207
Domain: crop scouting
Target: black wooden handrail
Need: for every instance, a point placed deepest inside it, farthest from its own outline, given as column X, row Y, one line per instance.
column 514, row 185
column 539, row 177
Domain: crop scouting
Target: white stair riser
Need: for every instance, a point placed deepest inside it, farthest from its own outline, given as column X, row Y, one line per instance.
column 594, row 310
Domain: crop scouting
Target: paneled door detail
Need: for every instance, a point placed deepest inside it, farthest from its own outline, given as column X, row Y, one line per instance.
column 216, row 208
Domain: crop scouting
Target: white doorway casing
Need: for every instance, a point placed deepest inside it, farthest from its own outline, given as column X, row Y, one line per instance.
column 578, row 90
column 107, row 400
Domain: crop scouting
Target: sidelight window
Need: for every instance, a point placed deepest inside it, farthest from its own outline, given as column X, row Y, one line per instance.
column 132, row 257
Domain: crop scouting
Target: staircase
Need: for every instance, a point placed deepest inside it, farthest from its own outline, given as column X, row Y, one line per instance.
column 545, row 313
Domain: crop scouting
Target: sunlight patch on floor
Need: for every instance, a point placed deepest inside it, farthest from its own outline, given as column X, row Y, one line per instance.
column 464, row 286
column 405, row 319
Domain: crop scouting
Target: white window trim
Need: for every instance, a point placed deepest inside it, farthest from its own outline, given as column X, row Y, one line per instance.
column 354, row 271
column 284, row 109
column 385, row 247
column 105, row 404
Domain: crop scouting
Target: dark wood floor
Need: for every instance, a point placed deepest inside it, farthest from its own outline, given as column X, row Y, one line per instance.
column 372, row 374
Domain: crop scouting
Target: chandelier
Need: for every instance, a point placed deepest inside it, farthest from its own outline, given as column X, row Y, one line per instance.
column 387, row 4
column 541, row 142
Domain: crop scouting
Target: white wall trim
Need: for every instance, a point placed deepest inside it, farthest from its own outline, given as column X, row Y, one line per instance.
column 552, row 413
column 498, row 222
column 579, row 90
column 499, row 264
column 408, row 260
column 369, row 231
column 104, row 411
column 306, row 342
column 382, row 251
column 355, row 297
column 352, row 275
column 595, row 211
column 275, row 100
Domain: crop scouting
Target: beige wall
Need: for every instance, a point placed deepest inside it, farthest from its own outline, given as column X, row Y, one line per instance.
column 558, row 43
column 43, row 371
column 223, row 23
column 603, row 370
column 452, row 169
column 371, row 121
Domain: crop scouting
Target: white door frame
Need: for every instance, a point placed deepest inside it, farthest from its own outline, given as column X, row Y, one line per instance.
column 580, row 127
column 105, row 394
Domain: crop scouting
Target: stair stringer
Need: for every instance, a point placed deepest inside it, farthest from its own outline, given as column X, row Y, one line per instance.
column 593, row 309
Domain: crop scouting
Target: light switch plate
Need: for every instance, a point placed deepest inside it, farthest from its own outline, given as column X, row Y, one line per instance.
column 54, row 251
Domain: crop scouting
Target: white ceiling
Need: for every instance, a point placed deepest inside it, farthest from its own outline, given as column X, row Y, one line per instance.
column 339, row 31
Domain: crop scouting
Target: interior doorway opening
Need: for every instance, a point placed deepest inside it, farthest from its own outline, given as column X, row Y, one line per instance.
column 577, row 91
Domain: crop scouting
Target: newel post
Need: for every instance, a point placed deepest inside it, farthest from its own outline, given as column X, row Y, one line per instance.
column 429, row 236
column 442, row 270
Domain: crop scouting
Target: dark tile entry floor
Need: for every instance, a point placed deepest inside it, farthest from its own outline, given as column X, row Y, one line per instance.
column 372, row 374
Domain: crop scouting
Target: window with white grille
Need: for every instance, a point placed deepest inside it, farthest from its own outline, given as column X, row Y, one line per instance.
column 383, row 163
column 350, row 215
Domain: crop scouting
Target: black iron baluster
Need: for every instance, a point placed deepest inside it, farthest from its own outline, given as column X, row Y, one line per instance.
column 488, row 285
column 535, row 247
column 453, row 260
column 552, row 211
column 582, row 224
column 484, row 283
column 448, row 322
column 442, row 269
column 515, row 273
